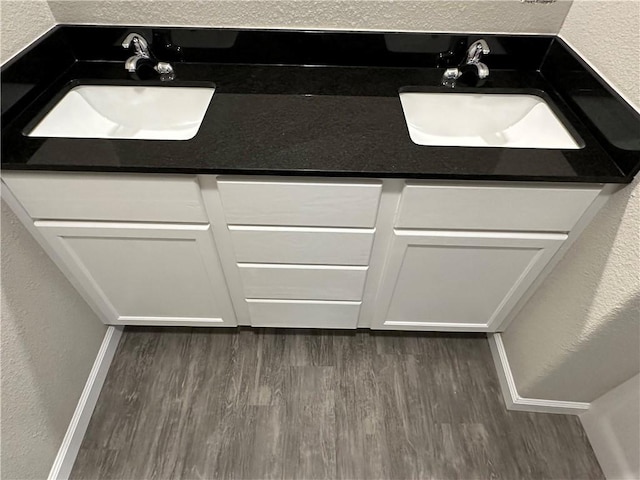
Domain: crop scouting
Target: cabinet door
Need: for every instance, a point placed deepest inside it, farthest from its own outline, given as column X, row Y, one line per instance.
column 468, row 281
column 146, row 274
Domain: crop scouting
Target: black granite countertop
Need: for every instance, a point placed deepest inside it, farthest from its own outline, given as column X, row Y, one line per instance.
column 312, row 114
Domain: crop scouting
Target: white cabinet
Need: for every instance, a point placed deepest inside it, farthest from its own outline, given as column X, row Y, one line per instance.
column 303, row 313
column 143, row 273
column 305, row 202
column 298, row 251
column 302, row 247
column 139, row 248
column 316, row 282
column 464, row 257
column 108, row 196
column 468, row 281
column 493, row 207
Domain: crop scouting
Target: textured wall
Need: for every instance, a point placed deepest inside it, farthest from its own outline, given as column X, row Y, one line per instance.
column 426, row 15
column 613, row 427
column 579, row 336
column 608, row 34
column 22, row 22
column 50, row 338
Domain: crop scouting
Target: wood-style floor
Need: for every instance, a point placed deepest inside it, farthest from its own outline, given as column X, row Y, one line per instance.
column 266, row 404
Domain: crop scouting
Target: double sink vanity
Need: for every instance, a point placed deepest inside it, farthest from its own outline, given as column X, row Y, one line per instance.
column 309, row 179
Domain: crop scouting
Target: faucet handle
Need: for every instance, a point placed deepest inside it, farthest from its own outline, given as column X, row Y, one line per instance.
column 163, row 68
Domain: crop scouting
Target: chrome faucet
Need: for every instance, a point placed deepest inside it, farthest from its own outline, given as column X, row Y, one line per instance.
column 472, row 61
column 143, row 56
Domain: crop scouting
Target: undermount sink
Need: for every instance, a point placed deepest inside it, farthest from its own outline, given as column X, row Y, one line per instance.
column 127, row 112
column 483, row 120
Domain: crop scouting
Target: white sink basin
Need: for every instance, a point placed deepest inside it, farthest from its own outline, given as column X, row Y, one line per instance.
column 483, row 120
column 134, row 112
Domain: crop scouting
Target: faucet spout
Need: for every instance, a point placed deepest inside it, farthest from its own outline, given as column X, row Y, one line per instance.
column 476, row 50
column 140, row 45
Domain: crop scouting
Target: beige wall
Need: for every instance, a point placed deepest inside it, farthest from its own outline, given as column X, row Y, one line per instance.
column 49, row 341
column 613, row 427
column 607, row 33
column 22, row 22
column 49, row 337
column 424, row 15
column 579, row 336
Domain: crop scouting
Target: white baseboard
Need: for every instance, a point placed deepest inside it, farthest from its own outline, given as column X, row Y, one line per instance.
column 72, row 440
column 513, row 400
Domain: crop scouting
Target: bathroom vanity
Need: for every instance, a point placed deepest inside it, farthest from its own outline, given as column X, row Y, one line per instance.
column 309, row 196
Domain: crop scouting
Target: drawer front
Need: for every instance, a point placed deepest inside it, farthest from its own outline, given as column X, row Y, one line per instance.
column 493, row 208
column 117, row 197
column 309, row 246
column 300, row 203
column 303, row 314
column 305, row 282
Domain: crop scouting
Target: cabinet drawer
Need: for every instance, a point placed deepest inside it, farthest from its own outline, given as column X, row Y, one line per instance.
column 117, row 197
column 308, row 282
column 303, row 314
column 324, row 246
column 493, row 208
column 309, row 203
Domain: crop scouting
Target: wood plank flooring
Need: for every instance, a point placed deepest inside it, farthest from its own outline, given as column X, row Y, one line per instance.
column 272, row 404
